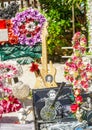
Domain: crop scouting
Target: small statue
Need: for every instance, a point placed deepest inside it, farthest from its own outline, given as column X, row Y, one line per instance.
column 87, row 106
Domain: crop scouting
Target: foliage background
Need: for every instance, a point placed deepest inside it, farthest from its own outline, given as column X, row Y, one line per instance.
column 59, row 15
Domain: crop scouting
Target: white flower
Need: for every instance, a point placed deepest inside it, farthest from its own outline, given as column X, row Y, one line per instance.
column 30, row 26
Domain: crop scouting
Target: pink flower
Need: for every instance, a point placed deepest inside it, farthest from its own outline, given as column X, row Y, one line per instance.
column 10, row 104
column 76, row 36
column 1, row 111
column 7, row 91
column 83, row 39
column 84, row 84
column 3, row 103
column 89, row 68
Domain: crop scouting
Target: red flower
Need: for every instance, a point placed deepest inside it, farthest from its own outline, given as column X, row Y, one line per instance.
column 74, row 107
column 79, row 99
column 9, row 24
column 34, row 67
column 13, row 39
column 2, row 24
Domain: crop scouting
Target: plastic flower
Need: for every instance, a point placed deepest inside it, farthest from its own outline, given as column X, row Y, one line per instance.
column 79, row 99
column 34, row 67
column 77, row 72
column 1, row 111
column 79, row 42
column 10, row 104
column 27, row 26
column 12, row 38
column 74, row 107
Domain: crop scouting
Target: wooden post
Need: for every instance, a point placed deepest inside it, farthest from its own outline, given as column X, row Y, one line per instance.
column 73, row 19
column 2, row 3
column 8, row 1
column 28, row 3
column 21, row 3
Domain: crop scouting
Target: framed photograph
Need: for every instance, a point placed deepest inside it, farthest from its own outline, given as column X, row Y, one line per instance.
column 43, row 100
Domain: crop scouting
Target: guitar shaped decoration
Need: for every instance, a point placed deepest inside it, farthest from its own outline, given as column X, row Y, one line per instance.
column 49, row 111
column 48, row 74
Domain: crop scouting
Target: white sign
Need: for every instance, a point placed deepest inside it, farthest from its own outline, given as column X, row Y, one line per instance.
column 3, row 35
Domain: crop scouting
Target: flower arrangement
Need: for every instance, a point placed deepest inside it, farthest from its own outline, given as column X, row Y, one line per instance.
column 78, row 73
column 79, row 42
column 8, row 103
column 12, row 38
column 27, row 26
column 7, row 71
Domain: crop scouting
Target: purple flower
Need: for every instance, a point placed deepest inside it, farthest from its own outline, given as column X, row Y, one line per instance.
column 29, row 36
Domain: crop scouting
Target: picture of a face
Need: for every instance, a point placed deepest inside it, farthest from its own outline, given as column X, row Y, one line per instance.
column 49, row 78
column 52, row 94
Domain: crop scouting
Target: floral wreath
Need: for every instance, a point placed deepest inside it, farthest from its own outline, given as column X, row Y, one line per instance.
column 78, row 73
column 7, row 71
column 27, row 26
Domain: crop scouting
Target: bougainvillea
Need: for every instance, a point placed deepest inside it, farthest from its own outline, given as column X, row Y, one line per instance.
column 27, row 26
